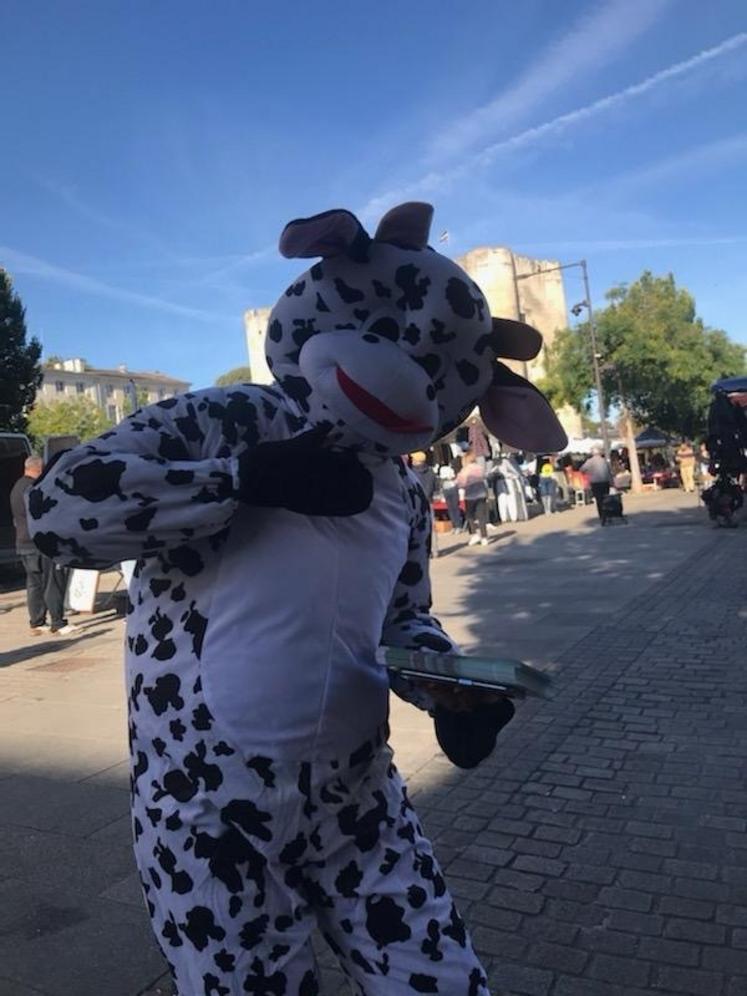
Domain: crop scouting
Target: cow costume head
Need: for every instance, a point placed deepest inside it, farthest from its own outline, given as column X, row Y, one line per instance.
column 391, row 345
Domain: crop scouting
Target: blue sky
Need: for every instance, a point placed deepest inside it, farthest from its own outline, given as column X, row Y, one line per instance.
column 153, row 152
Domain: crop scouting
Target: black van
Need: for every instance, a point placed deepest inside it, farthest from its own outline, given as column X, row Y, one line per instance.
column 14, row 448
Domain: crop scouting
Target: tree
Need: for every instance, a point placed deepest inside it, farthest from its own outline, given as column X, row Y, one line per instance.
column 71, row 417
column 142, row 400
column 20, row 371
column 657, row 359
column 238, row 375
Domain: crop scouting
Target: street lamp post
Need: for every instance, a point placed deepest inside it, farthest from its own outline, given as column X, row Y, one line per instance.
column 593, row 336
column 517, row 302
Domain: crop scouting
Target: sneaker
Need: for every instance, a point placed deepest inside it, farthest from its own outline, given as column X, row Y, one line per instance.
column 483, row 542
column 38, row 630
column 473, row 541
column 65, row 630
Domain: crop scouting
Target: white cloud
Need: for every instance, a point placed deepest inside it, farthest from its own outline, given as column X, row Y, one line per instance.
column 19, row 262
column 438, row 180
column 593, row 42
column 615, row 245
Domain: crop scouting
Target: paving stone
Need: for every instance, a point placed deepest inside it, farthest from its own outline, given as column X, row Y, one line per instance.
column 523, row 980
column 695, row 930
column 687, row 980
column 499, row 943
column 557, row 957
column 675, row 952
column 625, row 899
column 624, row 971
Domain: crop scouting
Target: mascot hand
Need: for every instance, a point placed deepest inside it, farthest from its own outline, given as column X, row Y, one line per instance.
column 467, row 738
column 300, row 475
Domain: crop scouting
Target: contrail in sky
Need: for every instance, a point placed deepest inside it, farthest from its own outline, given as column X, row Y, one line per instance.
column 436, row 180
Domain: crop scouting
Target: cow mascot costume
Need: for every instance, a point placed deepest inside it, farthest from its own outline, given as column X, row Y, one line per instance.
column 280, row 540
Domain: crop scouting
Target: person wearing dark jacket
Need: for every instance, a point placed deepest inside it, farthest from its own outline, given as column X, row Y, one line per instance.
column 46, row 582
column 600, row 477
column 428, row 482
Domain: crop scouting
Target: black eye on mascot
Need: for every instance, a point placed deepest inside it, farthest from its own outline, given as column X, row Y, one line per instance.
column 280, row 540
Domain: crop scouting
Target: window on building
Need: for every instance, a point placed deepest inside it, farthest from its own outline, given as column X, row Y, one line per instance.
column 59, row 386
column 109, row 390
column 80, row 388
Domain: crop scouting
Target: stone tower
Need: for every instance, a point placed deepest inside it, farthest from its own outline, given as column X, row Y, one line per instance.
column 516, row 288
column 255, row 326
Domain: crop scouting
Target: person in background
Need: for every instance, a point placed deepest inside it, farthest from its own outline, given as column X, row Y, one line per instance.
column 428, row 482
column 685, row 457
column 478, row 441
column 451, row 496
column 597, row 470
column 46, row 583
column 704, row 467
column 471, row 479
column 548, row 487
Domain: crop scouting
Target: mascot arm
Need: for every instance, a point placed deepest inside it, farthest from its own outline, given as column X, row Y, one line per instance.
column 409, row 622
column 466, row 735
column 164, row 476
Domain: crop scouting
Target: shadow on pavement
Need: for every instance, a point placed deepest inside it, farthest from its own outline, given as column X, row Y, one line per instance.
column 610, row 816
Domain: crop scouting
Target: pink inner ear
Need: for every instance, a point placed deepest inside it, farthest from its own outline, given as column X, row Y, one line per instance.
column 326, row 234
column 407, row 224
column 522, row 417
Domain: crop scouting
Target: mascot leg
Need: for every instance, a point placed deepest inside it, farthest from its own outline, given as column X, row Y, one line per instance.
column 388, row 915
column 219, row 844
column 237, row 876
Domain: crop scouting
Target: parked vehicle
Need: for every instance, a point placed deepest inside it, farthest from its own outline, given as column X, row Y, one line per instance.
column 14, row 448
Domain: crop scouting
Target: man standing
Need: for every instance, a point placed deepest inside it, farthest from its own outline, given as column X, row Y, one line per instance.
column 45, row 581
column 685, row 457
column 429, row 482
column 597, row 470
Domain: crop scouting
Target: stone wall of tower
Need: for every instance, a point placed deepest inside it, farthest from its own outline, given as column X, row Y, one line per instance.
column 538, row 299
column 541, row 302
column 255, row 326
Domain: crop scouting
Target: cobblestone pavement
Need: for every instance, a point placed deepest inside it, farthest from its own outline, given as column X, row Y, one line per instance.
column 602, row 851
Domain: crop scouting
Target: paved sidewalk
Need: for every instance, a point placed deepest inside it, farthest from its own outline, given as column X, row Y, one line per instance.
column 602, row 851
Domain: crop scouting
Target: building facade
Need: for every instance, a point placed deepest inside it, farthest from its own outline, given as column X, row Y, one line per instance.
column 114, row 391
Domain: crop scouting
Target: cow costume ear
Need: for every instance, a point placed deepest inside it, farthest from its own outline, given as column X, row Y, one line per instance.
column 327, row 234
column 515, row 340
column 407, row 225
column 520, row 415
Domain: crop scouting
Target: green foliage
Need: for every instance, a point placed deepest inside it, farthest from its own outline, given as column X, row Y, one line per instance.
column 20, row 370
column 569, row 374
column 52, row 360
column 142, row 401
column 74, row 417
column 656, row 355
column 238, row 375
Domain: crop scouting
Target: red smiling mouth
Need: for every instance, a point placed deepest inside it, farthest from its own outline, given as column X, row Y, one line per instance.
column 376, row 410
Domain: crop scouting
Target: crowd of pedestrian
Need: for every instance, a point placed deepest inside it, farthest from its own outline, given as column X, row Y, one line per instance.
column 475, row 483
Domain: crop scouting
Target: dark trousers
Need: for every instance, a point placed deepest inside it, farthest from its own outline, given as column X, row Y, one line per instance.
column 451, row 497
column 600, row 491
column 46, row 584
column 477, row 510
